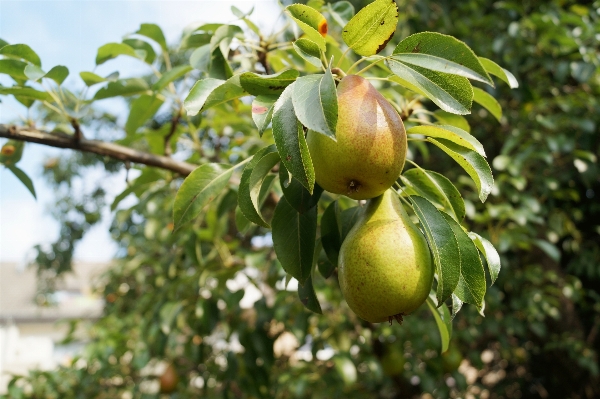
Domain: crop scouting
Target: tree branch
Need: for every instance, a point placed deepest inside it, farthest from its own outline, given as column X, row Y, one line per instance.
column 111, row 150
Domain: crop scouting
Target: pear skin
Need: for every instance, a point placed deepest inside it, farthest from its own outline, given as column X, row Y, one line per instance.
column 370, row 150
column 385, row 268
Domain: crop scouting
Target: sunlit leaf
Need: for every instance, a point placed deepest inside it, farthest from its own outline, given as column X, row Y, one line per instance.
column 256, row 84
column 142, row 109
column 489, row 252
column 21, row 51
column 202, row 186
column 153, row 31
column 449, row 92
column 312, row 22
column 113, row 50
column 436, row 188
column 471, row 285
column 308, row 50
column 450, row 133
column 473, row 163
column 441, row 53
column 488, row 102
column 496, row 70
column 372, row 27
column 315, row 103
column 123, row 87
column 443, row 320
column 262, row 111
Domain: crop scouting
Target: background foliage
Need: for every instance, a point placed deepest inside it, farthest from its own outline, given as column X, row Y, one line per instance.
column 170, row 298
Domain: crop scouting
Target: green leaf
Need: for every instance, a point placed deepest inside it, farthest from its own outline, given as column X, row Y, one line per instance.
column 209, row 92
column 443, row 320
column 21, row 51
column 473, row 163
column 168, row 313
column 170, row 76
column 471, row 285
column 123, row 87
column 441, row 53
column 437, row 189
column 295, row 193
column 443, row 246
column 58, row 74
column 497, row 70
column 113, row 50
column 489, row 252
column 312, row 22
column 449, row 92
column 450, row 133
column 256, row 84
column 309, row 51
column 142, row 46
column 142, row 108
column 201, row 58
column 148, row 176
column 239, row 13
column 33, row 72
column 349, row 217
column 488, row 102
column 22, row 176
column 251, row 182
column 308, row 297
column 14, row 68
column 26, row 92
column 447, row 118
column 153, row 31
column 290, row 140
column 549, row 249
column 456, row 305
column 341, row 12
column 315, row 103
column 11, row 152
column 202, row 186
column 90, row 78
column 294, row 239
column 262, row 111
column 331, row 234
column 371, row 28
column 243, row 224
column 223, row 37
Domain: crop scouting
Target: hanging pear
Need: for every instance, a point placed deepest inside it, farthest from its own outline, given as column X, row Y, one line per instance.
column 370, row 150
column 385, row 268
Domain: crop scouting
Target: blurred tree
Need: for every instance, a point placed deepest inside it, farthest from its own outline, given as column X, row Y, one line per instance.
column 177, row 301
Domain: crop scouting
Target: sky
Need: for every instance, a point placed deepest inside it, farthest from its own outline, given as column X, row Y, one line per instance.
column 68, row 32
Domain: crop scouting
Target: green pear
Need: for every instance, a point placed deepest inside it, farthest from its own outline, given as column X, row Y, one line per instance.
column 370, row 147
column 385, row 268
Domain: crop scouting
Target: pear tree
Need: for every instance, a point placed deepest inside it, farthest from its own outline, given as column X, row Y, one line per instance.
column 342, row 109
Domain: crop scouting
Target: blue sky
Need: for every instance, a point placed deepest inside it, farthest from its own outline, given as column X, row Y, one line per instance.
column 68, row 32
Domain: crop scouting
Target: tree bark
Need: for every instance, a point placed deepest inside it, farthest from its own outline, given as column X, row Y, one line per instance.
column 62, row 140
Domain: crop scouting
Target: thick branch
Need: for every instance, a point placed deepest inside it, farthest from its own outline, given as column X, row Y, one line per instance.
column 115, row 151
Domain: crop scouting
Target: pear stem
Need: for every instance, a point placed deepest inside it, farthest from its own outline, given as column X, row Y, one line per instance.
column 339, row 63
column 370, row 66
column 401, row 197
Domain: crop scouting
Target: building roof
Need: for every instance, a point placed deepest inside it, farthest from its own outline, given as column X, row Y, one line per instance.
column 73, row 298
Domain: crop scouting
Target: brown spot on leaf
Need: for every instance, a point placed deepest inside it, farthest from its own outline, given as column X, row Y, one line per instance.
column 382, row 46
column 289, row 157
column 275, row 88
column 258, row 109
column 323, row 27
column 8, row 150
column 417, row 48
